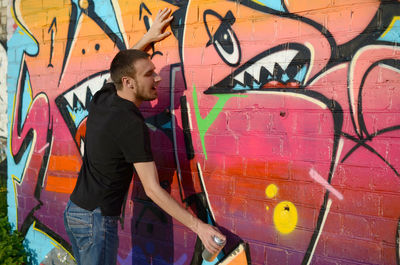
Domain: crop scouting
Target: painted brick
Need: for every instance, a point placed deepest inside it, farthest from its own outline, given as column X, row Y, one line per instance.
column 296, row 240
column 355, row 177
column 390, row 209
column 334, row 223
column 388, row 252
column 256, row 168
column 257, row 253
column 276, row 255
column 352, row 249
column 356, row 226
column 383, row 229
column 295, row 257
column 362, row 202
column 254, row 188
column 252, row 232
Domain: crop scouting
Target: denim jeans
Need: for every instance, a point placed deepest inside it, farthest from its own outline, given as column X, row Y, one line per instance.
column 94, row 238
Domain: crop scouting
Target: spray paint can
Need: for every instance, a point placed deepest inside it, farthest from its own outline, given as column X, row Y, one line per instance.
column 211, row 256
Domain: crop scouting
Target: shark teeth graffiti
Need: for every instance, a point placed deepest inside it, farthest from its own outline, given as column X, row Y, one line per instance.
column 73, row 105
column 282, row 66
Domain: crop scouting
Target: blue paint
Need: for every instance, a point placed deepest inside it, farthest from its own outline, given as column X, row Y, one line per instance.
column 78, row 113
column 26, row 98
column 300, row 76
column 167, row 125
column 394, row 34
column 105, row 10
column 17, row 170
column 274, row 4
column 256, row 85
column 137, row 257
column 39, row 244
column 150, row 248
column 285, row 78
column 240, row 87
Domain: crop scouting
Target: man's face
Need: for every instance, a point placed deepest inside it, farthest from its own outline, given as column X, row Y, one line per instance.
column 146, row 80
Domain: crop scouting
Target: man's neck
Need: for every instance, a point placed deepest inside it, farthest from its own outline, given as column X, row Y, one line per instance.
column 124, row 93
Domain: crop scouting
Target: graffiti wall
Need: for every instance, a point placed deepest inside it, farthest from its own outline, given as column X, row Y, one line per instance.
column 277, row 121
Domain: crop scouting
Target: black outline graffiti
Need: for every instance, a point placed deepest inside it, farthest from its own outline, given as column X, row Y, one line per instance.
column 73, row 26
column 225, row 27
column 51, row 31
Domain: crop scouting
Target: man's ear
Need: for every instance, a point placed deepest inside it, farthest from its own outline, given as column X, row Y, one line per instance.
column 128, row 82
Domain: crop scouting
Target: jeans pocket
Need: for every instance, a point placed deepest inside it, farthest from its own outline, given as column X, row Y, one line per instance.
column 81, row 226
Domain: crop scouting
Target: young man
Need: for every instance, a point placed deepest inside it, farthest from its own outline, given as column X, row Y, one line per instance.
column 117, row 142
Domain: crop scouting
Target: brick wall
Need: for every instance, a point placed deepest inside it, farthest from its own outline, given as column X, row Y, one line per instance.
column 3, row 87
column 278, row 121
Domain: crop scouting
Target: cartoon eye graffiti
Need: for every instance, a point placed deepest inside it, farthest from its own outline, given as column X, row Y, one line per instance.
column 224, row 39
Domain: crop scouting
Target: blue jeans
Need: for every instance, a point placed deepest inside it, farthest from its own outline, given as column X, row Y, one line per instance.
column 94, row 238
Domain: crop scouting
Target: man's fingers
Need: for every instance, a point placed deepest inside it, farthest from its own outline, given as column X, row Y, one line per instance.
column 166, row 22
column 211, row 247
column 163, row 13
column 165, row 34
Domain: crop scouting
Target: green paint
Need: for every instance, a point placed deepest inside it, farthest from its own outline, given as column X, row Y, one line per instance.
column 204, row 124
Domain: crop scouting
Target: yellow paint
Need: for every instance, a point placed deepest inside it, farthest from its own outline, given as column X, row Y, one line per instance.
column 271, row 191
column 391, row 25
column 285, row 217
column 14, row 180
column 84, row 4
column 73, row 117
column 258, row 2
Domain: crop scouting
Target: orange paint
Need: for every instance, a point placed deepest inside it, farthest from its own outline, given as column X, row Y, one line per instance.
column 350, row 16
column 60, row 184
column 64, row 163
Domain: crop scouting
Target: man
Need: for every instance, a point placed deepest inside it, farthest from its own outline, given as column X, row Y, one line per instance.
column 117, row 142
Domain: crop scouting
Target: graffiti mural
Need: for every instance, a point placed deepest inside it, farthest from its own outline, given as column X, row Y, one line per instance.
column 277, row 121
column 3, row 101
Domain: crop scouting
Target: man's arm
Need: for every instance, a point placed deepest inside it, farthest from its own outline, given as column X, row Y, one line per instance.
column 155, row 32
column 148, row 175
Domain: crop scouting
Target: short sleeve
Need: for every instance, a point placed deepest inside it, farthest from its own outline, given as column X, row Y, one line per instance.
column 134, row 141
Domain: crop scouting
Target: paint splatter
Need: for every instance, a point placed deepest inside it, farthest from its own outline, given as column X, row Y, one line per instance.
column 271, row 191
column 285, row 217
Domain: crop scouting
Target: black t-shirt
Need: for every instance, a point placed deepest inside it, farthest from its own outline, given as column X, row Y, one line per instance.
column 116, row 137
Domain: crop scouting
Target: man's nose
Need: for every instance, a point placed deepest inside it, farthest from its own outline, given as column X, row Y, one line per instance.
column 157, row 78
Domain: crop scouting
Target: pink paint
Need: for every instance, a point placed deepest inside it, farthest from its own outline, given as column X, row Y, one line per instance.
column 44, row 147
column 317, row 177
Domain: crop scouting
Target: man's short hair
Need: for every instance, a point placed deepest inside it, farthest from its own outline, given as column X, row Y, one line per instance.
column 123, row 65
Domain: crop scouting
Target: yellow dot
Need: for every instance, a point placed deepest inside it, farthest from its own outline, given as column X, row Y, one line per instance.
column 84, row 4
column 267, row 207
column 285, row 217
column 271, row 191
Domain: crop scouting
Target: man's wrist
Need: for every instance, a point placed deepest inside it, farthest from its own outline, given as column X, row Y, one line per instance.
column 147, row 38
column 194, row 224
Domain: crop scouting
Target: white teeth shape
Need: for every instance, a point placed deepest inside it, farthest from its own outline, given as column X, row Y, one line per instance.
column 283, row 58
column 93, row 84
